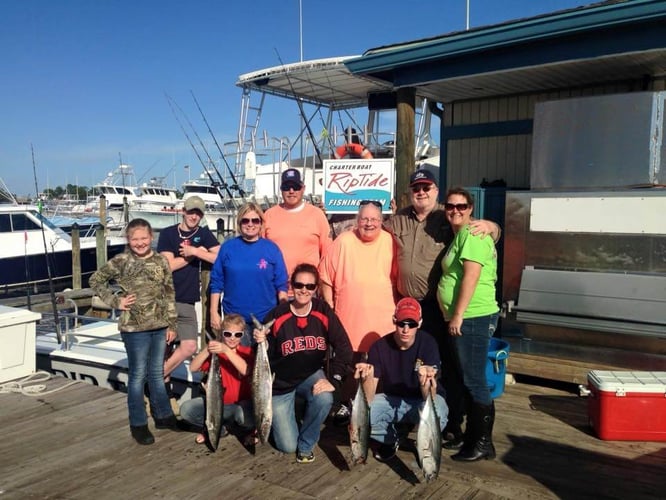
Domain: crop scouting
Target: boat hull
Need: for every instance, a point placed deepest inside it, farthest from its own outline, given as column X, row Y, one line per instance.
column 30, row 269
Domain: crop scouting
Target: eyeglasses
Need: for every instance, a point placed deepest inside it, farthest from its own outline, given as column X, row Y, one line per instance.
column 460, row 207
column 228, row 334
column 421, row 187
column 289, row 187
column 253, row 220
column 370, row 202
column 308, row 286
column 369, row 220
column 409, row 323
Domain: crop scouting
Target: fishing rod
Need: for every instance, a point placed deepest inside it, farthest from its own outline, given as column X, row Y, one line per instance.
column 46, row 254
column 149, row 169
column 221, row 182
column 216, row 184
column 300, row 109
column 233, row 177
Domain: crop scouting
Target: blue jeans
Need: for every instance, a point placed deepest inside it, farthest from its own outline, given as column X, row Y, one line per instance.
column 472, row 349
column 387, row 410
column 145, row 360
column 286, row 434
column 240, row 414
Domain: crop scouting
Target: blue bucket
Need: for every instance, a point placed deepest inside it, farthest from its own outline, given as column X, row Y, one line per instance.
column 498, row 357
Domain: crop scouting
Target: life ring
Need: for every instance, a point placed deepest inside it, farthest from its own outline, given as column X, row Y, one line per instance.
column 353, row 150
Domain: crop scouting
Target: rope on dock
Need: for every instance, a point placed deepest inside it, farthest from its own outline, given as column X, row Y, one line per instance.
column 31, row 390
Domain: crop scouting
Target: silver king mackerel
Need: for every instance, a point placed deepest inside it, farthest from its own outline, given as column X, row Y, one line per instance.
column 359, row 427
column 429, row 440
column 262, row 386
column 214, row 403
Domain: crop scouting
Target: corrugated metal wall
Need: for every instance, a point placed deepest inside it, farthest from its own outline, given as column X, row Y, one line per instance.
column 507, row 157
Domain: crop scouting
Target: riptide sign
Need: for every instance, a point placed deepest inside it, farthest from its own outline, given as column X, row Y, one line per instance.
column 348, row 182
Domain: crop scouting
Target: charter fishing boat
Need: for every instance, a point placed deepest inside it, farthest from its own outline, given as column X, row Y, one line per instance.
column 334, row 104
column 33, row 249
column 157, row 203
column 91, row 350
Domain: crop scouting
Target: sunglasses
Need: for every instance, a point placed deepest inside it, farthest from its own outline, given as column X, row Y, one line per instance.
column 407, row 323
column 288, row 187
column 421, row 187
column 297, row 285
column 253, row 220
column 370, row 202
column 228, row 334
column 460, row 207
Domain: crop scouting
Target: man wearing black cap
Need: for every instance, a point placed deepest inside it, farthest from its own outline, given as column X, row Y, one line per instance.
column 423, row 234
column 298, row 228
column 185, row 245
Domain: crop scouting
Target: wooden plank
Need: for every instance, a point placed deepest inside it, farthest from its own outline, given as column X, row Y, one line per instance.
column 75, row 443
column 554, row 368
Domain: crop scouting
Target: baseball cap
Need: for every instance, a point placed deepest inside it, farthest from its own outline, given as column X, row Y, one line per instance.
column 290, row 177
column 194, row 203
column 407, row 308
column 422, row 176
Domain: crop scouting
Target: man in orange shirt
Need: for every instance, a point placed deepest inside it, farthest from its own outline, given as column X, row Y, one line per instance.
column 358, row 275
column 298, row 228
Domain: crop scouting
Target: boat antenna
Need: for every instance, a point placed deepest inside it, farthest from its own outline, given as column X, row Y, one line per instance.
column 300, row 108
column 233, row 178
column 214, row 182
column 46, row 254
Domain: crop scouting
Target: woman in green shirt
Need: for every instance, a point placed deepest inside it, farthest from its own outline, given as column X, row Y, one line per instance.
column 466, row 294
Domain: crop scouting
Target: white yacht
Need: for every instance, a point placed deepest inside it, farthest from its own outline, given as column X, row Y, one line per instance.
column 32, row 248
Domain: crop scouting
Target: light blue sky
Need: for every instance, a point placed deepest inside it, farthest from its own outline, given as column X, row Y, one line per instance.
column 85, row 80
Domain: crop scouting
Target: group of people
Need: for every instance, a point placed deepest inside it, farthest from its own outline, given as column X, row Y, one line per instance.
column 405, row 306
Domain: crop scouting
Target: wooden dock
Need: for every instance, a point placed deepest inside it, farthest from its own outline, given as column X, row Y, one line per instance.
column 74, row 443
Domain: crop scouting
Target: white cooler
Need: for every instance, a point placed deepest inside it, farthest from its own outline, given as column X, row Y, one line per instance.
column 17, row 338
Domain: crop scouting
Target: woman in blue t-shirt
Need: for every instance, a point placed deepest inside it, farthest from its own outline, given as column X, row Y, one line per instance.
column 249, row 272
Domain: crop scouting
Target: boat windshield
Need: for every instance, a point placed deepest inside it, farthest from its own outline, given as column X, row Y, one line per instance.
column 21, row 221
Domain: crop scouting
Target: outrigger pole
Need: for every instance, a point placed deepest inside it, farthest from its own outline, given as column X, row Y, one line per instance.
column 233, row 177
column 46, row 254
column 300, row 109
column 215, row 183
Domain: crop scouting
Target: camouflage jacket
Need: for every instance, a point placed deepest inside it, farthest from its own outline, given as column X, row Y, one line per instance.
column 150, row 279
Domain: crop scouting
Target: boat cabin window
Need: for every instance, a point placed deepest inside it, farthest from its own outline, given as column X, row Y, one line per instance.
column 16, row 222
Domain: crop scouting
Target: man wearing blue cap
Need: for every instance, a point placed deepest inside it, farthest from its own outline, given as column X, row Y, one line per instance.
column 298, row 228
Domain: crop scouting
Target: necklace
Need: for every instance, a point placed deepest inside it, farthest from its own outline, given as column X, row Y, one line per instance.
column 301, row 315
column 185, row 237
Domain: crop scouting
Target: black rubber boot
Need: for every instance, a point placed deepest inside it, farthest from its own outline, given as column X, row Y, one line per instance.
column 170, row 422
column 142, row 435
column 482, row 420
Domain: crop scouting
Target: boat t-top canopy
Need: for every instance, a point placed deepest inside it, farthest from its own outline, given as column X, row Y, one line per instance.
column 323, row 82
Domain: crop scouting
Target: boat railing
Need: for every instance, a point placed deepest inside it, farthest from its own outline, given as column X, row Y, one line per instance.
column 71, row 323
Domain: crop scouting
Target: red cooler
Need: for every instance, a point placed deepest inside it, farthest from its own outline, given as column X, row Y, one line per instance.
column 627, row 406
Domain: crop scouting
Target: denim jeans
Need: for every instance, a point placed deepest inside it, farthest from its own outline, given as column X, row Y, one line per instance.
column 286, row 434
column 472, row 349
column 386, row 411
column 240, row 414
column 145, row 360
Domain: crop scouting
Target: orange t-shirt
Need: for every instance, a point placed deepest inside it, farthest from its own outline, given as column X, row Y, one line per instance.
column 362, row 276
column 303, row 234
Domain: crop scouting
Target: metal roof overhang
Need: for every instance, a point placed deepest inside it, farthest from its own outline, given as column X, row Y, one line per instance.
column 591, row 45
column 326, row 82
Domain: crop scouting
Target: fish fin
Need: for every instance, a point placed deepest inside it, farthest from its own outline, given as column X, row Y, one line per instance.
column 257, row 323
